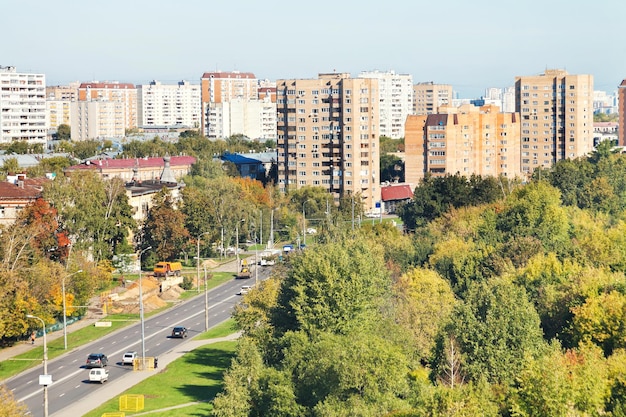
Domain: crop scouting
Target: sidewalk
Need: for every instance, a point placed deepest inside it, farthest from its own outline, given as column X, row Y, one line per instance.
column 26, row 345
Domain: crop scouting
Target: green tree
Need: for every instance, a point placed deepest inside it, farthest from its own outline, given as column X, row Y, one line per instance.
column 336, row 290
column 424, row 304
column 496, row 327
column 535, row 211
column 85, row 148
column 93, row 210
column 64, row 132
column 391, row 168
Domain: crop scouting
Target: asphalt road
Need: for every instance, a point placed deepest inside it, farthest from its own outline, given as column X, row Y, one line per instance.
column 70, row 377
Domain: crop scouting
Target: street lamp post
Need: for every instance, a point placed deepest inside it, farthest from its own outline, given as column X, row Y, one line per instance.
column 198, row 261
column 143, row 333
column 206, row 302
column 65, row 308
column 304, row 222
column 46, row 379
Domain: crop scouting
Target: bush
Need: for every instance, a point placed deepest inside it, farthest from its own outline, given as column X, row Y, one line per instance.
column 187, row 283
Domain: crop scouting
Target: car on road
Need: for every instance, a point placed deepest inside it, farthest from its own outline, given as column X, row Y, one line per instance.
column 96, row 360
column 179, row 332
column 244, row 290
column 98, row 375
column 129, row 358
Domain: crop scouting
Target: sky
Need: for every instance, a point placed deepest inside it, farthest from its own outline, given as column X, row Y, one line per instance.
column 472, row 45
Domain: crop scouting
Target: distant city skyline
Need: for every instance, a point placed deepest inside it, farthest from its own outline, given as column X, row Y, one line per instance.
column 470, row 45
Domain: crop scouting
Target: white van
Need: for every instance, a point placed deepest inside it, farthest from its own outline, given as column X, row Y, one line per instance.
column 100, row 375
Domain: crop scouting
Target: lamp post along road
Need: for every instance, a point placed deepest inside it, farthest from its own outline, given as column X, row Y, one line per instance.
column 143, row 333
column 65, row 308
column 206, row 302
column 44, row 379
column 198, row 261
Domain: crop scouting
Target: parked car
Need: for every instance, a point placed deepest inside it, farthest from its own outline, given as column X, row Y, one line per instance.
column 179, row 331
column 96, row 360
column 129, row 358
column 311, row 231
column 98, row 375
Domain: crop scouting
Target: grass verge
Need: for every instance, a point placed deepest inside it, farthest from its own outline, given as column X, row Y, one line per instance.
column 189, row 383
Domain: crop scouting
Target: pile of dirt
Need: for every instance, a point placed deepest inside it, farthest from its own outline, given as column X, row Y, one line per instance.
column 127, row 300
column 209, row 264
column 172, row 293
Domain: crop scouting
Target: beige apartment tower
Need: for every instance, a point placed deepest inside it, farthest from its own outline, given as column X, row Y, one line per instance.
column 556, row 111
column 115, row 92
column 223, row 87
column 466, row 140
column 328, row 135
column 428, row 97
column 621, row 97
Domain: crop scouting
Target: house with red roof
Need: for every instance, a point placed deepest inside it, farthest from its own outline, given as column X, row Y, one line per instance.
column 16, row 193
column 394, row 194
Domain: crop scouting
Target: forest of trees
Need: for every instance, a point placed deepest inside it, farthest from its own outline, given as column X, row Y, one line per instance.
column 508, row 299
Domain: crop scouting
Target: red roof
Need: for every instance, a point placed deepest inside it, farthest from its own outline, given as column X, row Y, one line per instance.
column 130, row 163
column 396, row 192
column 31, row 189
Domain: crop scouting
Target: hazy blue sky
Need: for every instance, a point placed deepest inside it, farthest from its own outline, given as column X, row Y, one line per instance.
column 470, row 44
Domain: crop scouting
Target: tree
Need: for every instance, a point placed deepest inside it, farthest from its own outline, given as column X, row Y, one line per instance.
column 424, row 302
column 95, row 212
column 335, row 290
column 85, row 148
column 164, row 229
column 496, row 327
column 391, row 168
column 9, row 407
column 64, row 132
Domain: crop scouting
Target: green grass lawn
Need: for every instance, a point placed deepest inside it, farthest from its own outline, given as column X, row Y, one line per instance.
column 190, row 382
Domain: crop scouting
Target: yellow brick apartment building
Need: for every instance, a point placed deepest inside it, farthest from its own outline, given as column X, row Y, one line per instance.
column 466, row 140
column 328, row 135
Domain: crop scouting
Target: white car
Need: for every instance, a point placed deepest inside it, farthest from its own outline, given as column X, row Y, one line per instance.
column 311, row 231
column 100, row 375
column 244, row 290
column 129, row 358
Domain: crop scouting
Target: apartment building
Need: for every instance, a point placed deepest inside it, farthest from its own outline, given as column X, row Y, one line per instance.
column 255, row 119
column 58, row 112
column 328, row 135
column 96, row 120
column 395, row 101
column 22, row 106
column 621, row 98
column 169, row 105
column 556, row 111
column 63, row 92
column 124, row 93
column 222, row 87
column 466, row 140
column 428, row 97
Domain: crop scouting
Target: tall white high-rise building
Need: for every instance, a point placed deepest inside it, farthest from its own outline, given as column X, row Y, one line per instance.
column 395, row 101
column 22, row 106
column 169, row 105
column 255, row 119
